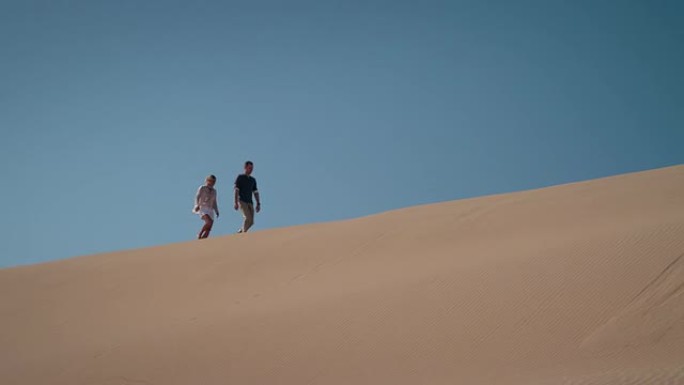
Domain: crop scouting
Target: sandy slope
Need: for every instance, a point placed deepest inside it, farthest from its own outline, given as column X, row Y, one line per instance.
column 575, row 284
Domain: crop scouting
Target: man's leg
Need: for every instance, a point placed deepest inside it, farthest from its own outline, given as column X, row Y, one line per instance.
column 250, row 218
column 248, row 214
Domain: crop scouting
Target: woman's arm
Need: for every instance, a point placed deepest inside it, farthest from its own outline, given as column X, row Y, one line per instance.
column 197, row 198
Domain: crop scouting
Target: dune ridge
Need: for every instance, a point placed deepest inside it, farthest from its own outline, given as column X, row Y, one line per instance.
column 578, row 284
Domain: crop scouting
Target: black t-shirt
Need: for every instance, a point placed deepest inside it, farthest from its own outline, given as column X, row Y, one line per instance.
column 246, row 186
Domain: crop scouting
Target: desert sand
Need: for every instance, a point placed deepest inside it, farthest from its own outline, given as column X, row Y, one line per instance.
column 574, row 284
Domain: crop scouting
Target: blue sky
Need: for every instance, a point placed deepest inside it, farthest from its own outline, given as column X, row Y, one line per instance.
column 112, row 112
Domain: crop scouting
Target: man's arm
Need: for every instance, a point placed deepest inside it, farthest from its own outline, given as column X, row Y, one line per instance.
column 216, row 206
column 258, row 206
column 236, row 193
column 256, row 196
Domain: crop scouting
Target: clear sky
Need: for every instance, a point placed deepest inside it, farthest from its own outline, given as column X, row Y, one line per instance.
column 113, row 112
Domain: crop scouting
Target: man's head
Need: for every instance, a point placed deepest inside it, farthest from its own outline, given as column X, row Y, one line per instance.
column 249, row 167
column 211, row 180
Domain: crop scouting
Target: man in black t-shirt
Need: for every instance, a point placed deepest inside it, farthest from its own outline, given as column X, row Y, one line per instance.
column 245, row 187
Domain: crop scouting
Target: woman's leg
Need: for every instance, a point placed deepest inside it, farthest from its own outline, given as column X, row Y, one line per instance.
column 206, row 229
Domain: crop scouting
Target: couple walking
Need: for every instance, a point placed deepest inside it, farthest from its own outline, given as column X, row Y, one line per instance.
column 206, row 204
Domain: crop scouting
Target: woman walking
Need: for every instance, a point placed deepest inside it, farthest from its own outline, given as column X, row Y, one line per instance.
column 206, row 205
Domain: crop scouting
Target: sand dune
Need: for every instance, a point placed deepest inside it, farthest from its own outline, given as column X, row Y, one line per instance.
column 575, row 285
